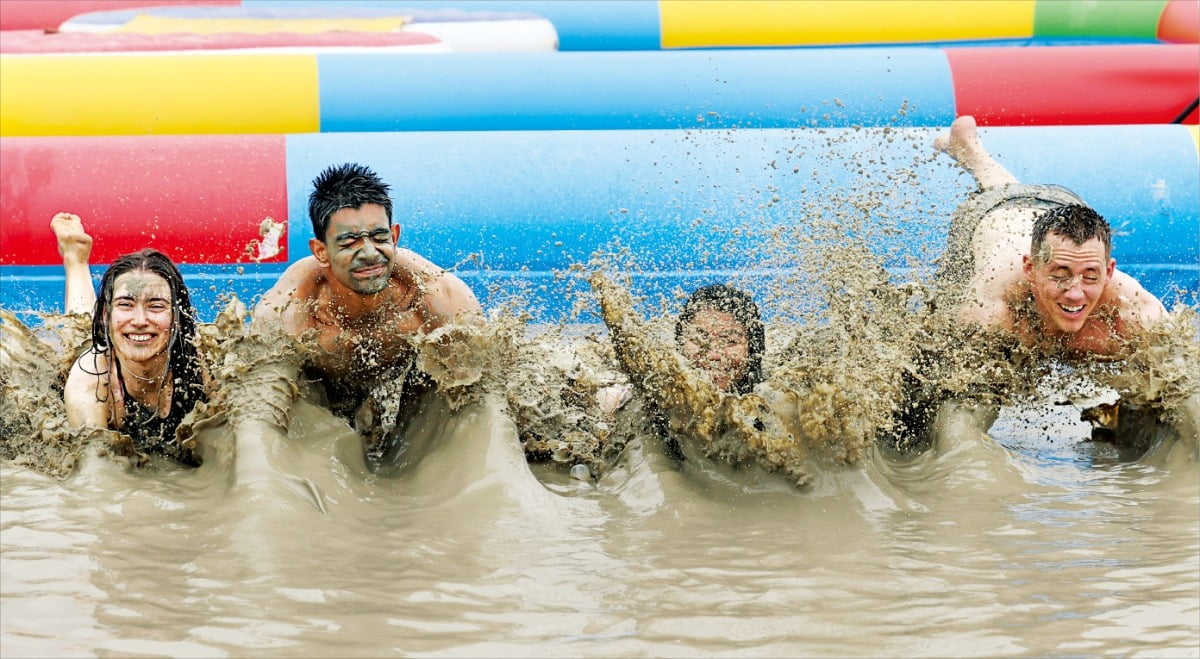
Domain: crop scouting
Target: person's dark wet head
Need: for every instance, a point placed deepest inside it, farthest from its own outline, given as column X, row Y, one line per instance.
column 720, row 331
column 354, row 237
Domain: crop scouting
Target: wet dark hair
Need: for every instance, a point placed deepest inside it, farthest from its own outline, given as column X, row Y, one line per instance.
column 182, row 357
column 1074, row 221
column 741, row 306
column 349, row 185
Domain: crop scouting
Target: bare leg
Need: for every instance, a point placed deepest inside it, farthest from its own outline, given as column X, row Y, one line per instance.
column 75, row 245
column 962, row 143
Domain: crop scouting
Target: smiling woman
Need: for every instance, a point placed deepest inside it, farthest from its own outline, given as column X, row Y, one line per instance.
column 141, row 374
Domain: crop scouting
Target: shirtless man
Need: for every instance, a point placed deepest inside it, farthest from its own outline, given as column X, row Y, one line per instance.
column 1046, row 274
column 360, row 297
column 1036, row 262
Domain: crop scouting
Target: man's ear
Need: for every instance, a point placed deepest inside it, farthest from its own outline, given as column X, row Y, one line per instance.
column 1112, row 266
column 320, row 251
column 1027, row 266
column 395, row 229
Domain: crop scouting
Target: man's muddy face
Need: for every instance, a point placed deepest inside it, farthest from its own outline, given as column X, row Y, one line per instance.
column 1068, row 284
column 716, row 343
column 360, row 247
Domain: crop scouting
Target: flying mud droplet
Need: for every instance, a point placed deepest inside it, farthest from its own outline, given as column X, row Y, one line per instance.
column 268, row 245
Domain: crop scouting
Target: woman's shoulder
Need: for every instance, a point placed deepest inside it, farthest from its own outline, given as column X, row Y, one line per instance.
column 91, row 363
column 88, row 390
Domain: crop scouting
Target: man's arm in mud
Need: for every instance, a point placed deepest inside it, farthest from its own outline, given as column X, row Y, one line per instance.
column 452, row 324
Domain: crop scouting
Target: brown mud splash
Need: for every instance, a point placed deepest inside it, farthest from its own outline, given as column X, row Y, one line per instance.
column 817, row 411
column 1157, row 383
column 255, row 374
column 550, row 380
column 260, row 371
column 1129, row 399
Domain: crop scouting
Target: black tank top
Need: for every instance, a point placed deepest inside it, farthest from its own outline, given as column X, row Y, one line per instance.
column 155, row 435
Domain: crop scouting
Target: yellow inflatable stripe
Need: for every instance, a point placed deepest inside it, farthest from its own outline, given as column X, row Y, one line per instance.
column 148, row 24
column 700, row 23
column 1195, row 133
column 158, row 95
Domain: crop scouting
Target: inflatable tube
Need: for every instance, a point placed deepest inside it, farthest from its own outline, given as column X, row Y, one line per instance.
column 201, row 93
column 45, row 15
column 1180, row 22
column 655, row 24
column 159, row 94
column 1045, row 86
column 461, row 31
column 512, row 211
column 38, row 42
column 198, row 199
column 186, row 18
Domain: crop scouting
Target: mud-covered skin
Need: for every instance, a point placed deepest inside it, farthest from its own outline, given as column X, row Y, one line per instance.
column 367, row 313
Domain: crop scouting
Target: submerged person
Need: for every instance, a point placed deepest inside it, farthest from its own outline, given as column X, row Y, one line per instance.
column 361, row 301
column 1033, row 264
column 719, row 333
column 706, row 396
column 141, row 373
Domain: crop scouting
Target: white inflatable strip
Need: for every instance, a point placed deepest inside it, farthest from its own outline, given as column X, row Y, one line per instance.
column 301, row 50
column 502, row 36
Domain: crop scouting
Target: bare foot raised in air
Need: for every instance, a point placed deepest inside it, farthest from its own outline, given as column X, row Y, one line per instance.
column 74, row 243
column 962, row 143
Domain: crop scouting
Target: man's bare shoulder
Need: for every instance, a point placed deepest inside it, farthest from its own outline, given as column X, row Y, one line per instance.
column 990, row 311
column 445, row 296
column 306, row 270
column 413, row 263
column 991, row 299
column 1136, row 304
column 298, row 283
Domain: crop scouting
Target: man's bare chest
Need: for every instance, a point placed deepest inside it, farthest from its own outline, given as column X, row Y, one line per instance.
column 365, row 346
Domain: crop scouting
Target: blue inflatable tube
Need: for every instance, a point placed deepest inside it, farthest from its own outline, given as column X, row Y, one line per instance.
column 581, row 24
column 670, row 89
column 512, row 211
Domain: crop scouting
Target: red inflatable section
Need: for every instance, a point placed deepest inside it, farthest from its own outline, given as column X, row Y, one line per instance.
column 48, row 14
column 1180, row 22
column 1126, row 84
column 38, row 41
column 131, row 196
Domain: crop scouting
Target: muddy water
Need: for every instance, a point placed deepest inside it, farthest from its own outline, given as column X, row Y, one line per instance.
column 1030, row 542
